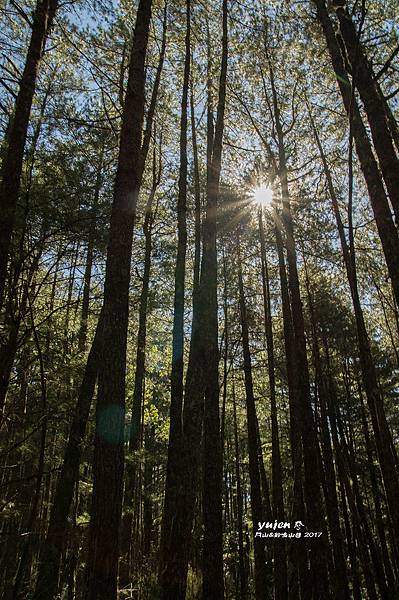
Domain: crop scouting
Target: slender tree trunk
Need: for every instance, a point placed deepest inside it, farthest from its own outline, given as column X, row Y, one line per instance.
column 148, row 508
column 312, row 480
column 172, row 570
column 135, row 433
column 297, row 554
column 242, row 572
column 183, row 451
column 280, row 559
column 379, row 202
column 381, row 430
column 12, row 165
column 89, row 256
column 201, row 381
column 340, row 578
column 135, row 430
column 257, row 509
column 374, row 105
column 197, row 199
column 213, row 583
column 108, row 467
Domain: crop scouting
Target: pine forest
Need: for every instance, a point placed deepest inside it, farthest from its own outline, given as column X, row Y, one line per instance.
column 199, row 300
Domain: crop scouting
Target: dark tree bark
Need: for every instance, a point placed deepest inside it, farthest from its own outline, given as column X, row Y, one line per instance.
column 375, row 402
column 379, row 202
column 312, row 480
column 12, row 166
column 172, row 575
column 213, row 583
column 148, row 526
column 374, row 105
column 201, row 383
column 297, row 556
column 135, row 429
column 180, row 270
column 108, row 467
column 242, row 572
column 257, row 509
column 135, row 433
column 197, row 199
column 89, row 256
column 280, row 564
column 339, row 576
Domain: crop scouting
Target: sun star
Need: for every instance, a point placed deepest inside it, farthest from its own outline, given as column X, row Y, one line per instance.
column 263, row 196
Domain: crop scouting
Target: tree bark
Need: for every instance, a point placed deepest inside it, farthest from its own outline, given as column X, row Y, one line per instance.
column 257, row 509
column 312, row 480
column 340, row 578
column 297, row 556
column 108, row 466
column 374, row 105
column 172, row 570
column 213, row 583
column 201, row 382
column 242, row 572
column 381, row 430
column 89, row 256
column 280, row 559
column 135, row 433
column 379, row 202
column 12, row 166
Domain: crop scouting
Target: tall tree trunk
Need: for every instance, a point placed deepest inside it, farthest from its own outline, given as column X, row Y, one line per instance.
column 89, row 256
column 213, row 584
column 242, row 572
column 280, row 559
column 312, row 480
column 197, row 200
column 340, row 578
column 379, row 202
column 374, row 105
column 12, row 166
column 172, row 572
column 135, row 434
column 257, row 509
column 108, row 467
column 201, row 381
column 381, row 430
column 297, row 555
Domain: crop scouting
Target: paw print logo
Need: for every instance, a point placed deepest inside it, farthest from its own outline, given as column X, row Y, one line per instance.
column 298, row 525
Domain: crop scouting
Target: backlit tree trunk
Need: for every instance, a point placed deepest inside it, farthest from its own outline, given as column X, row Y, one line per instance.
column 12, row 166
column 280, row 564
column 257, row 509
column 379, row 202
column 108, row 468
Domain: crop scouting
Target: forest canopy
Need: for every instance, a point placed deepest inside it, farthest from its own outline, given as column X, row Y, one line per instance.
column 199, row 300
